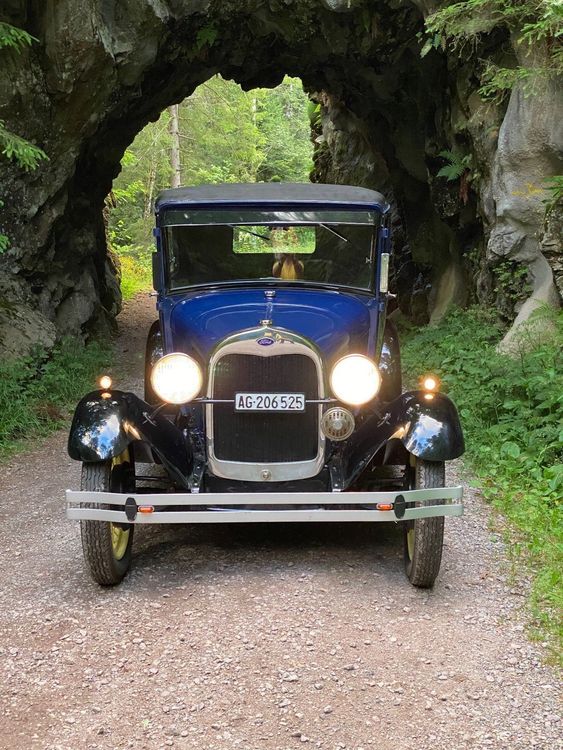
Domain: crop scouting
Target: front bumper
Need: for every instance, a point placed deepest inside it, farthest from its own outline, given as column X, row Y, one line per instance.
column 265, row 507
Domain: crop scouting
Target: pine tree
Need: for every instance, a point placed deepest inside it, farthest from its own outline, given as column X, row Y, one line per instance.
column 12, row 146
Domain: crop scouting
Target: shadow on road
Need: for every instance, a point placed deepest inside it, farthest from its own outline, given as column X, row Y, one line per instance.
column 319, row 546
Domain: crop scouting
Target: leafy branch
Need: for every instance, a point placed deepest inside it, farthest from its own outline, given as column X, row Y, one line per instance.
column 532, row 22
column 15, row 38
column 12, row 146
column 21, row 151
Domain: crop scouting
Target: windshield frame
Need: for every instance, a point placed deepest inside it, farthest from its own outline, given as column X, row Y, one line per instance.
column 322, row 212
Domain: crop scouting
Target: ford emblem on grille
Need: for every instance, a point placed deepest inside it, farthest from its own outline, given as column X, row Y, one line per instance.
column 264, row 341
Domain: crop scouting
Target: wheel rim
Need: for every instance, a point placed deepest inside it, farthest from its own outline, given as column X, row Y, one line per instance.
column 119, row 541
column 119, row 536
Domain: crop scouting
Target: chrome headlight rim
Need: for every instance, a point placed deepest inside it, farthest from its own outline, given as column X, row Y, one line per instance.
column 176, row 378
column 357, row 398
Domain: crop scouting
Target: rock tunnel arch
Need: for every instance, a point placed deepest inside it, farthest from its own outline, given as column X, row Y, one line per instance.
column 100, row 74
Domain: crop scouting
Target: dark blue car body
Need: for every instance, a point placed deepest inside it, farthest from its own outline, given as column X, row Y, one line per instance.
column 238, row 331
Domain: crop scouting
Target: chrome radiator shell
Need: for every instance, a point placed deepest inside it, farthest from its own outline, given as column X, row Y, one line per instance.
column 283, row 343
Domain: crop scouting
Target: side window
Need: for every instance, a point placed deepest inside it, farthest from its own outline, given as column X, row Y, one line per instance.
column 197, row 254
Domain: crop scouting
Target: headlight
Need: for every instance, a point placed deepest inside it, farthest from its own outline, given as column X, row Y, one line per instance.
column 176, row 378
column 355, row 380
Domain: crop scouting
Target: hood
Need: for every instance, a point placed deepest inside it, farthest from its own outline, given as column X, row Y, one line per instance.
column 337, row 322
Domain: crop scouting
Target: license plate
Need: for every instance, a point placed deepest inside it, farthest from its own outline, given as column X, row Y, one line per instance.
column 269, row 402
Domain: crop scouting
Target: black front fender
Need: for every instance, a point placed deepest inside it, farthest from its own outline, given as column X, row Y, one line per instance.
column 431, row 426
column 104, row 426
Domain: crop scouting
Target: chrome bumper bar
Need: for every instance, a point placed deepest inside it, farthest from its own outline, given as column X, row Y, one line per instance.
column 214, row 507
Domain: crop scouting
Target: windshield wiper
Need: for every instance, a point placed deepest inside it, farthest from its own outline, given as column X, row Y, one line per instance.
column 249, row 231
column 341, row 237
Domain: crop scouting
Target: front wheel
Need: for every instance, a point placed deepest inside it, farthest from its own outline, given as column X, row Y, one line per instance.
column 424, row 538
column 107, row 546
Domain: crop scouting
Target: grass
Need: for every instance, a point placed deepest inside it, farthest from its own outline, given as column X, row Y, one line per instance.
column 512, row 414
column 37, row 393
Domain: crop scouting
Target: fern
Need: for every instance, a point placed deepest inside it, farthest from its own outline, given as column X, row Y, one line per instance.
column 206, row 37
column 457, row 165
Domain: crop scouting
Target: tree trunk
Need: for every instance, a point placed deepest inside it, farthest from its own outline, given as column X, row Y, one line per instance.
column 176, row 179
column 150, row 188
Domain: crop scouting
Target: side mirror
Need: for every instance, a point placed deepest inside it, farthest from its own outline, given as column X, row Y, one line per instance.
column 157, row 280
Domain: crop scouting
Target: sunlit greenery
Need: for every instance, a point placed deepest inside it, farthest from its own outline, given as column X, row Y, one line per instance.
column 226, row 135
column 264, row 239
column 136, row 273
column 512, row 414
column 37, row 392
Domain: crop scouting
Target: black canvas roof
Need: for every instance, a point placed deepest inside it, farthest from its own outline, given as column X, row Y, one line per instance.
column 271, row 193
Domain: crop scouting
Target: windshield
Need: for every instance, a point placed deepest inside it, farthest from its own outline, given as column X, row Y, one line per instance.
column 319, row 247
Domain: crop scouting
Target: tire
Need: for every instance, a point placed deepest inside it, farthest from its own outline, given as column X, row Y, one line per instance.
column 423, row 539
column 107, row 547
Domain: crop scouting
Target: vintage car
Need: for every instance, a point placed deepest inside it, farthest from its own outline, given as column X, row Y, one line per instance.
column 273, row 383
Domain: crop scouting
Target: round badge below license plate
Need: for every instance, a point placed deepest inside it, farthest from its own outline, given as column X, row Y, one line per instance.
column 265, row 342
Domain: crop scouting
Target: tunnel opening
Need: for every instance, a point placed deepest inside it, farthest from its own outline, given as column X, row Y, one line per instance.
column 380, row 124
column 388, row 118
column 220, row 134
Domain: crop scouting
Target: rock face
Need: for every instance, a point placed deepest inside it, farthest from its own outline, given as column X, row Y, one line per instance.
column 101, row 71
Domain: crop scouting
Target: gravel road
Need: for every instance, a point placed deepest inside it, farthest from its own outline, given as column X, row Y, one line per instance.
column 257, row 637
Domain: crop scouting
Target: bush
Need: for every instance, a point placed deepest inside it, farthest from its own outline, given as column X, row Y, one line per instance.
column 37, row 392
column 512, row 415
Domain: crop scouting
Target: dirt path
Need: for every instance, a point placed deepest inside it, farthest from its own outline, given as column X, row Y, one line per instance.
column 256, row 637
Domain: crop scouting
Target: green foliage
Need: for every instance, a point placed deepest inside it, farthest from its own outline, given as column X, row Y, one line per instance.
column 554, row 187
column 14, row 38
column 206, row 37
column 512, row 414
column 435, row 41
column 12, row 146
column 497, row 82
column 512, row 283
column 136, row 273
column 457, row 165
column 36, row 392
column 314, row 114
column 24, row 153
column 283, row 120
column 531, row 23
column 226, row 135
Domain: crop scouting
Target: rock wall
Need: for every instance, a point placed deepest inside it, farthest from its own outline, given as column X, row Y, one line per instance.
column 102, row 70
column 484, row 237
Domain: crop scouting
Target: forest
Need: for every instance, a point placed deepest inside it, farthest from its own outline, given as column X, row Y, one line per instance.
column 219, row 134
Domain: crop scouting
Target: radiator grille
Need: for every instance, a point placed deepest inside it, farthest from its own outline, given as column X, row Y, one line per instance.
column 265, row 437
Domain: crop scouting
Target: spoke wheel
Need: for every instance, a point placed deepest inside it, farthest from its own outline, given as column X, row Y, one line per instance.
column 107, row 546
column 423, row 539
